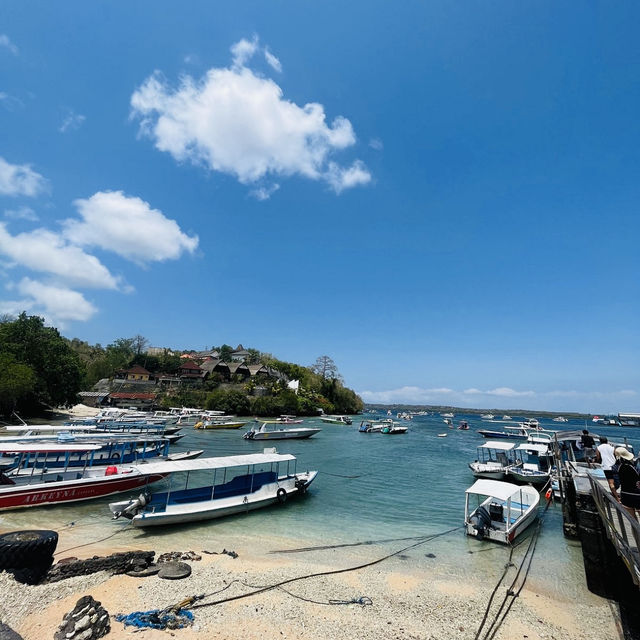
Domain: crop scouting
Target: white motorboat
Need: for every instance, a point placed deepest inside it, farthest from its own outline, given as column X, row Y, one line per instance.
column 494, row 458
column 289, row 419
column 394, row 429
column 275, row 431
column 337, row 419
column 506, row 417
column 504, row 511
column 560, row 419
column 447, row 415
column 238, row 484
column 537, row 467
column 368, row 426
column 487, row 416
column 442, row 435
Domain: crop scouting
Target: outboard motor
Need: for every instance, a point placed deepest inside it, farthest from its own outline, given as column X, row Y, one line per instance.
column 481, row 521
column 134, row 507
column 249, row 435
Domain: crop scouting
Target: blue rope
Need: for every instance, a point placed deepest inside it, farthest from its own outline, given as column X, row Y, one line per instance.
column 157, row 619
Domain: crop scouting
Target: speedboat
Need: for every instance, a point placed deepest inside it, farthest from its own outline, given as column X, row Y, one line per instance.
column 463, row 426
column 40, row 485
column 287, row 419
column 530, row 423
column 487, row 416
column 394, row 429
column 506, row 417
column 337, row 419
column 517, row 433
column 274, row 431
column 560, row 419
column 494, row 458
column 367, row 426
column 219, row 422
column 448, row 421
column 265, row 479
column 504, row 511
column 447, row 415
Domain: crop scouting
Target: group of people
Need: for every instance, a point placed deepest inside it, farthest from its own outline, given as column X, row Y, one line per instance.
column 619, row 470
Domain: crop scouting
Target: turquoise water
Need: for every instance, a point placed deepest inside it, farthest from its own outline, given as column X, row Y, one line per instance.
column 406, row 485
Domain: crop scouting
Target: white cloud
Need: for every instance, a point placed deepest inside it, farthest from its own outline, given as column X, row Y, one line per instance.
column 59, row 304
column 20, row 180
column 129, row 227
column 506, row 392
column 71, row 122
column 272, row 61
column 237, row 122
column 9, row 102
column 265, row 192
column 341, row 178
column 7, row 44
column 48, row 252
column 243, row 51
column 21, row 213
column 376, row 143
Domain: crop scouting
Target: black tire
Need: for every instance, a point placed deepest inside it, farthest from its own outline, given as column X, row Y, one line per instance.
column 27, row 549
column 281, row 494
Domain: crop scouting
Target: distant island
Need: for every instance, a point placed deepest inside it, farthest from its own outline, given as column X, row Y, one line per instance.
column 40, row 370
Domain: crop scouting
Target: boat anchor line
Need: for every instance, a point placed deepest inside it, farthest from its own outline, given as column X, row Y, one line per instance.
column 512, row 593
column 363, row 600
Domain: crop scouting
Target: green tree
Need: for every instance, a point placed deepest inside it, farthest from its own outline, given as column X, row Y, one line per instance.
column 58, row 369
column 225, row 352
column 17, row 381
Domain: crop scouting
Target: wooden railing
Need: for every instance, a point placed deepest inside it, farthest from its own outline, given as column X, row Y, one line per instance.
column 622, row 529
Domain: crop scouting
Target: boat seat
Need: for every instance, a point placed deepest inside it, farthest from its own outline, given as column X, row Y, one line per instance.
column 237, row 486
column 530, row 467
column 496, row 511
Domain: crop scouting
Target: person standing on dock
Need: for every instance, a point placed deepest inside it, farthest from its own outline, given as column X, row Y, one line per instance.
column 588, row 443
column 605, row 455
column 629, row 478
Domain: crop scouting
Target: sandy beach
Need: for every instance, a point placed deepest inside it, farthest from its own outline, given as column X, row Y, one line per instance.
column 412, row 595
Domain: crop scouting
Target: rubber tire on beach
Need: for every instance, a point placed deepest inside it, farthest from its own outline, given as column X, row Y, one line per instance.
column 281, row 494
column 174, row 570
column 30, row 549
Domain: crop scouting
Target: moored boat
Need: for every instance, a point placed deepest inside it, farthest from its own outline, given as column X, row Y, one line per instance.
column 43, row 486
column 275, row 431
column 504, row 512
column 267, row 478
column 394, row 429
column 494, row 458
column 337, row 419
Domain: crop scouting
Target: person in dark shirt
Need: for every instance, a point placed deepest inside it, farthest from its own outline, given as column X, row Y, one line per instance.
column 629, row 480
column 588, row 443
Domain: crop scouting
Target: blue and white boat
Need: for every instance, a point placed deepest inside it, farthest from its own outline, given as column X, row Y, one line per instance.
column 503, row 510
column 237, row 484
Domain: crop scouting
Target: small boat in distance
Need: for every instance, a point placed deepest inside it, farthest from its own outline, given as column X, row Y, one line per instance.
column 506, row 417
column 560, row 419
column 265, row 479
column 463, row 426
column 394, row 429
column 505, row 512
column 273, row 430
column 447, row 415
column 337, row 419
column 448, row 421
column 368, row 426
column 487, row 416
column 287, row 419
column 442, row 435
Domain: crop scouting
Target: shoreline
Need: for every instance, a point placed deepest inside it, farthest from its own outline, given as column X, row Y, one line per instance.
column 413, row 596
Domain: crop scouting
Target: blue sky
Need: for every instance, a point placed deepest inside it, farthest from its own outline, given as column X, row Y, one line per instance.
column 441, row 196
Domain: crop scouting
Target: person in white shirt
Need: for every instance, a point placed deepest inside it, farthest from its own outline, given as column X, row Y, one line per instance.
column 606, row 457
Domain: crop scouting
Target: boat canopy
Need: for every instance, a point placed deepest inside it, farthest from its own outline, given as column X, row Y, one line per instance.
column 494, row 444
column 538, row 448
column 203, row 464
column 494, row 488
column 50, row 427
column 44, row 447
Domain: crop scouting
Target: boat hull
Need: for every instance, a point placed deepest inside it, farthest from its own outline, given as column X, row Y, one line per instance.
column 221, row 507
column 505, row 537
column 285, row 434
column 18, row 497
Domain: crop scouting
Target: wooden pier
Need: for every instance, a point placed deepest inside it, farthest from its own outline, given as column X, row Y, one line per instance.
column 610, row 539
